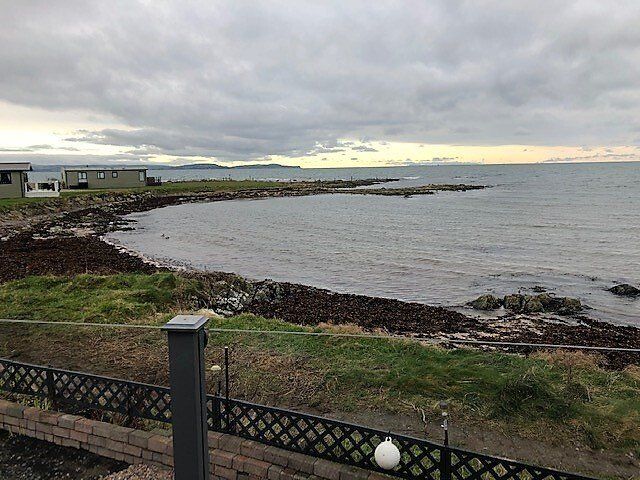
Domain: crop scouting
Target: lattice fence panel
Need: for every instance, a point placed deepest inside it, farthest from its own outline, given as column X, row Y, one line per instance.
column 82, row 390
column 23, row 379
column 324, row 438
column 472, row 466
column 316, row 436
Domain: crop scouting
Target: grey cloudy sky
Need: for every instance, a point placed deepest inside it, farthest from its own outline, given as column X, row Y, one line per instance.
column 243, row 80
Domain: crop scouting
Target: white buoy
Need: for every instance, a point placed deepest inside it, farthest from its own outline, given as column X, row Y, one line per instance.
column 387, row 455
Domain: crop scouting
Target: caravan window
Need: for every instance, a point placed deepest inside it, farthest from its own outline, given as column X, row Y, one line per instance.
column 5, row 178
column 101, row 175
column 141, row 175
column 114, row 174
column 82, row 175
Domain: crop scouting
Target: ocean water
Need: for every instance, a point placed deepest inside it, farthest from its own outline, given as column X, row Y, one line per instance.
column 573, row 229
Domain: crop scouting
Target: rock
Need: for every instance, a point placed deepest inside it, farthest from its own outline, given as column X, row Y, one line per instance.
column 513, row 302
column 268, row 292
column 569, row 306
column 547, row 301
column 542, row 303
column 486, row 302
column 539, row 289
column 532, row 304
column 625, row 290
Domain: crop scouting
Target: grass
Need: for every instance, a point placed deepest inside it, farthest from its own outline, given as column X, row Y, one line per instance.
column 94, row 299
column 192, row 186
column 7, row 204
column 10, row 203
column 557, row 397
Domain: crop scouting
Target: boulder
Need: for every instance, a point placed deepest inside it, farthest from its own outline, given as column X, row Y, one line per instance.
column 625, row 290
column 513, row 302
column 542, row 303
column 486, row 302
column 268, row 292
column 532, row 304
column 569, row 306
column 547, row 301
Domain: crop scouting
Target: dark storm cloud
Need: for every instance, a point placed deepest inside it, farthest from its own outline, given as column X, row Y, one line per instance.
column 242, row 80
column 72, row 159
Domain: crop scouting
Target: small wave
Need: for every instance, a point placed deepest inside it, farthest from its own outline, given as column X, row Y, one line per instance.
column 411, row 178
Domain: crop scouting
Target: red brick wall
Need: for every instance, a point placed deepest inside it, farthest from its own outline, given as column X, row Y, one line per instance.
column 232, row 458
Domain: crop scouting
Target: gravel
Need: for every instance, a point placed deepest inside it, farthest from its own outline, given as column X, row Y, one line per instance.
column 141, row 472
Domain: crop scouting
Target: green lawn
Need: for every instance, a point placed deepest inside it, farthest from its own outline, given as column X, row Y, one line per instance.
column 562, row 397
column 168, row 188
column 9, row 203
column 194, row 186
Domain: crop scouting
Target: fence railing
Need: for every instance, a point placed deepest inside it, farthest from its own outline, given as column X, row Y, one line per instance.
column 298, row 432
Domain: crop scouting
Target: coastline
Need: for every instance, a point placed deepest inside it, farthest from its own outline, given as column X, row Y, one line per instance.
column 71, row 241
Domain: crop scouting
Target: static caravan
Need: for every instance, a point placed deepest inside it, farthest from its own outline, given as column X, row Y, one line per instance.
column 13, row 177
column 104, row 177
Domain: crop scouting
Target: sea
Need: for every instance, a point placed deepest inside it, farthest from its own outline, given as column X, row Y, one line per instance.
column 572, row 229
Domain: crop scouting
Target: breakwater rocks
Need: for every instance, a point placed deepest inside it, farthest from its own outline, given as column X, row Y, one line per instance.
column 520, row 303
column 410, row 191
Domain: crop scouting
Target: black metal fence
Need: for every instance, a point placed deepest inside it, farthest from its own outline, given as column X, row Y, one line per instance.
column 308, row 434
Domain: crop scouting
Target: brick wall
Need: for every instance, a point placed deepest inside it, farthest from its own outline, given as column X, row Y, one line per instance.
column 232, row 458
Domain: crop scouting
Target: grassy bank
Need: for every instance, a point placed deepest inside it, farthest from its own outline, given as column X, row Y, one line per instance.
column 7, row 204
column 560, row 398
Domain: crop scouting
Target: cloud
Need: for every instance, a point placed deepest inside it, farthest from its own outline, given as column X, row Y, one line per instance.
column 611, row 157
column 433, row 161
column 30, row 148
column 71, row 159
column 242, row 80
column 364, row 148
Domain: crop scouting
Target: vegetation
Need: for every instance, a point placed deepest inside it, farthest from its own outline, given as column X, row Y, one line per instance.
column 190, row 186
column 11, row 203
column 7, row 204
column 558, row 397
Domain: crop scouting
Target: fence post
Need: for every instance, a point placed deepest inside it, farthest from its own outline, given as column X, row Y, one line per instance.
column 187, row 340
column 445, row 463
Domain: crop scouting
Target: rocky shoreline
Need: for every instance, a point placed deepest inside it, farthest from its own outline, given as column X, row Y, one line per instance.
column 68, row 242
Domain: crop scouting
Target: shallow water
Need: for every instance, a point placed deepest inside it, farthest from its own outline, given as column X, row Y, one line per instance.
column 574, row 229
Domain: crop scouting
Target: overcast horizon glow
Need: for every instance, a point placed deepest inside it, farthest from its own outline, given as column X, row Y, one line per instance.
column 336, row 83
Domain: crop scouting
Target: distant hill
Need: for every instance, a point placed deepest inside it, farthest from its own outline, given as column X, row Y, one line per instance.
column 215, row 166
column 192, row 166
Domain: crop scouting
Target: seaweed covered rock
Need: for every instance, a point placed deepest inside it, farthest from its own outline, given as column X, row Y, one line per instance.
column 625, row 290
column 532, row 304
column 486, row 302
column 542, row 303
column 569, row 306
column 513, row 302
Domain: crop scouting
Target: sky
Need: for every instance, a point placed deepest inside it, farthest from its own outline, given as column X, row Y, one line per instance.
column 319, row 84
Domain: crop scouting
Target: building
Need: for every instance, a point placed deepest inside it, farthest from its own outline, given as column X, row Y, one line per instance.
column 13, row 177
column 104, row 177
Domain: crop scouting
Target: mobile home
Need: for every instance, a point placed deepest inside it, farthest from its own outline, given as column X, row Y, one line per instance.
column 104, row 177
column 13, row 177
